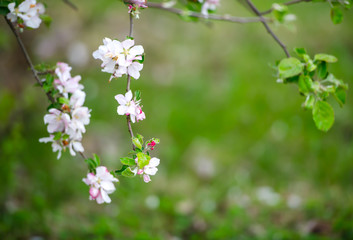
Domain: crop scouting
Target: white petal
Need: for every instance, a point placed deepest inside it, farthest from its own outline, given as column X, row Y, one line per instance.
column 108, row 186
column 122, row 110
column 121, row 99
column 151, row 171
column 136, row 50
column 128, row 96
column 154, row 162
column 105, row 196
column 128, row 43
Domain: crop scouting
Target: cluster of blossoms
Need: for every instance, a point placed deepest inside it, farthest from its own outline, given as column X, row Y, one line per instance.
column 26, row 14
column 66, row 124
column 130, row 107
column 101, row 184
column 135, row 6
column 149, row 170
column 208, row 5
column 119, row 58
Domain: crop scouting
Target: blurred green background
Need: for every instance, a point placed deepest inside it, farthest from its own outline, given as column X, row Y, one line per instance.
column 240, row 158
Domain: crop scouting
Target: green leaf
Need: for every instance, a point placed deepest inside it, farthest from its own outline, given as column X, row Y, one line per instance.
column 325, row 57
column 305, row 84
column 138, row 95
column 336, row 15
column 118, row 172
column 96, row 160
column 323, row 115
column 91, row 164
column 309, row 102
column 340, row 96
column 63, row 100
column 138, row 141
column 142, row 160
column 322, row 70
column 46, row 20
column 4, row 11
column 127, row 161
column 128, row 173
column 337, row 82
column 289, row 67
column 57, row 136
column 300, row 51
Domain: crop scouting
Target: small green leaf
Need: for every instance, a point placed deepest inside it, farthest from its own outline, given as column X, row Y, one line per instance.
column 309, row 102
column 300, row 51
column 128, row 173
column 289, row 67
column 118, row 172
column 91, row 164
column 138, row 95
column 96, row 160
column 63, row 100
column 46, row 20
column 336, row 15
column 142, row 160
column 322, row 70
column 323, row 115
column 325, row 57
column 57, row 136
column 137, row 142
column 127, row 161
column 340, row 96
column 305, row 84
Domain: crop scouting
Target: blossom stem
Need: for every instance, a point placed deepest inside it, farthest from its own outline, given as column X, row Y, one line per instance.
column 70, row 4
column 28, row 59
column 287, row 4
column 83, row 155
column 181, row 12
column 128, row 120
column 256, row 11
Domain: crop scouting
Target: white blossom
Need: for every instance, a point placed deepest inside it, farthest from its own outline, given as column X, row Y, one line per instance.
column 28, row 11
column 101, row 184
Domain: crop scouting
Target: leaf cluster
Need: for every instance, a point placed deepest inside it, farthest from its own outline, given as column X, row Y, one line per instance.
column 315, row 83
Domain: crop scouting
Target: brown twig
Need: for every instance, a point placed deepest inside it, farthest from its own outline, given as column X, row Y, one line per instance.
column 256, row 11
column 70, row 4
column 287, row 4
column 28, row 59
column 128, row 120
column 181, row 12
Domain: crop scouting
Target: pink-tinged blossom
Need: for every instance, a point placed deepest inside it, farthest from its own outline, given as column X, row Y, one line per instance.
column 152, row 144
column 209, row 5
column 139, row 114
column 57, row 147
column 75, row 145
column 28, row 11
column 63, row 71
column 149, row 170
column 101, row 184
column 57, row 121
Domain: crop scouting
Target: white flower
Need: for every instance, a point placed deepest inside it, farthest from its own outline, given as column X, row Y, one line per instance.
column 63, row 71
column 150, row 169
column 101, row 184
column 127, row 105
column 57, row 121
column 75, row 145
column 209, row 5
column 55, row 144
column 140, row 115
column 28, row 11
column 119, row 58
column 77, row 99
column 69, row 86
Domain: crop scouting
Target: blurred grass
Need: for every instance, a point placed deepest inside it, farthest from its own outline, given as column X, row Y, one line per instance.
column 226, row 128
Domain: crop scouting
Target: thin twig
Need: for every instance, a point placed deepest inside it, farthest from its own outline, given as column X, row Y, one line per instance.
column 287, row 3
column 181, row 12
column 256, row 11
column 128, row 120
column 28, row 59
column 83, row 155
column 73, row 6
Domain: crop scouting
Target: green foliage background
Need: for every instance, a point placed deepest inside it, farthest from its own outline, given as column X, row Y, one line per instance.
column 226, row 129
